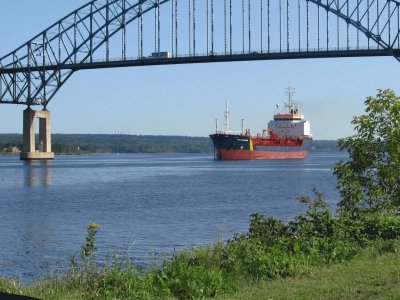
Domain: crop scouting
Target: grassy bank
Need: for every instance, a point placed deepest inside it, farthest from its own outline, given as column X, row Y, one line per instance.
column 373, row 274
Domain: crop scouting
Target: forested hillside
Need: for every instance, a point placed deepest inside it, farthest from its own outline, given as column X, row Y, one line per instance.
column 114, row 143
column 103, row 143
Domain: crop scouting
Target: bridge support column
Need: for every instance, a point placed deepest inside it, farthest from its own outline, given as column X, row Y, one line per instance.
column 30, row 151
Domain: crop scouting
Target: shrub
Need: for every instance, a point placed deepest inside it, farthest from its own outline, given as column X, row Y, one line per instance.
column 195, row 274
column 266, row 230
column 369, row 180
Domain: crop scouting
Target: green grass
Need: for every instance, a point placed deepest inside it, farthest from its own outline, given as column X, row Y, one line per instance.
column 371, row 275
column 374, row 274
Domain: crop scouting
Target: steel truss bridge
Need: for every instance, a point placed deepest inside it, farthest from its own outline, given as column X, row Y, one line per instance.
column 126, row 33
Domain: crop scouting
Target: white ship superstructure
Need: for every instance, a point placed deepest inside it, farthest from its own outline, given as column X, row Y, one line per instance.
column 290, row 124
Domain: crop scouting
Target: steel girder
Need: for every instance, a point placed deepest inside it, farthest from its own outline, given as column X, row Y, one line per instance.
column 25, row 74
column 33, row 73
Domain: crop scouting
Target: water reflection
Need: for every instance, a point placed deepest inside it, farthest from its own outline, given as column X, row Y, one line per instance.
column 37, row 173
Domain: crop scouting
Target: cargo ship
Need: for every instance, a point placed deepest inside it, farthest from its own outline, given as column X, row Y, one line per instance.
column 287, row 137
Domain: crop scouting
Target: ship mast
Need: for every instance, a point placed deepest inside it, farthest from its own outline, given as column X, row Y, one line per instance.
column 290, row 105
column 226, row 119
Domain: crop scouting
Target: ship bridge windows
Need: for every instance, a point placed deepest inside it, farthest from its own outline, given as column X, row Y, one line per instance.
column 287, row 119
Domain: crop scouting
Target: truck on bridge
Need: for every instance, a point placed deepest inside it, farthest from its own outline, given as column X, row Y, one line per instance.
column 163, row 54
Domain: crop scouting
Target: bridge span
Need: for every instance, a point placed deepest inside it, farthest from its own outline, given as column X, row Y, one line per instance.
column 131, row 33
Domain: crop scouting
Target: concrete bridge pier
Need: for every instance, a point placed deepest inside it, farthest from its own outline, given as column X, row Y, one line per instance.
column 42, row 151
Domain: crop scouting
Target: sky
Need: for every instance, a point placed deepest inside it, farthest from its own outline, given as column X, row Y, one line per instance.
column 186, row 99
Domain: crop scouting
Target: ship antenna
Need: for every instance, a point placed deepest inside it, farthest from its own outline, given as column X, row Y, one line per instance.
column 226, row 118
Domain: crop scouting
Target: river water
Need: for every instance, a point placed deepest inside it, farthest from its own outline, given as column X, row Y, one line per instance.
column 149, row 203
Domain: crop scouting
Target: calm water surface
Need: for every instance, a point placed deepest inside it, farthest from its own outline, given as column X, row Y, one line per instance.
column 159, row 202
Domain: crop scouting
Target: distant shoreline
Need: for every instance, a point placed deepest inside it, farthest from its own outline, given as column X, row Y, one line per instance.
column 79, row 144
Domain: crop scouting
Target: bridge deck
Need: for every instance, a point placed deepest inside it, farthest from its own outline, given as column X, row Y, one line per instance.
column 217, row 57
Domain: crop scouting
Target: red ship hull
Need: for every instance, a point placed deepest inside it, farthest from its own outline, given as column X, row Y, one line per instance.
column 232, row 154
column 288, row 137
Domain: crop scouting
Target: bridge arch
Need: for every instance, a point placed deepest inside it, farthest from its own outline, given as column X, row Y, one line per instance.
column 33, row 73
column 362, row 21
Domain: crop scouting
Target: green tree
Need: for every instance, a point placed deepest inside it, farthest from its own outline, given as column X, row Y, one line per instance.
column 370, row 179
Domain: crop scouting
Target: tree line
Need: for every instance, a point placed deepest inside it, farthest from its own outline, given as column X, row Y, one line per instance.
column 107, row 143
column 117, row 143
